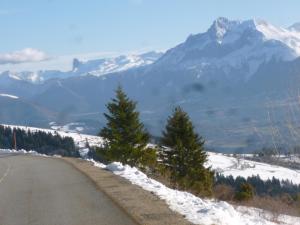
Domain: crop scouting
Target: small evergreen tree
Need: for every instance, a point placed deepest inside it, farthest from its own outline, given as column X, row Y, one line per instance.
column 245, row 192
column 184, row 154
column 125, row 136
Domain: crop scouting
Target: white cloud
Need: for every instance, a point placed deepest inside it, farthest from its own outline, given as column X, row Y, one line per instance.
column 62, row 62
column 23, row 56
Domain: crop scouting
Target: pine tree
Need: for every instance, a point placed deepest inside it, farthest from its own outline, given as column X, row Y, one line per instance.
column 125, row 136
column 184, row 154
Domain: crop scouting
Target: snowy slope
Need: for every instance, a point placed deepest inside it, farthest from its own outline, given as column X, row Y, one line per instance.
column 227, row 165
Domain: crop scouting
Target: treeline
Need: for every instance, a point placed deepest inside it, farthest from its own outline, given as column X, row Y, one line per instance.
column 271, row 187
column 39, row 141
column 270, row 152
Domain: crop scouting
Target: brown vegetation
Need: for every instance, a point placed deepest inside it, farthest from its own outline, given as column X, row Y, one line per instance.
column 279, row 205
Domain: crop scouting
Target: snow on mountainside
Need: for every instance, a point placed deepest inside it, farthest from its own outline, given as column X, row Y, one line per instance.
column 234, row 44
column 235, row 80
column 95, row 67
column 9, row 96
column 109, row 65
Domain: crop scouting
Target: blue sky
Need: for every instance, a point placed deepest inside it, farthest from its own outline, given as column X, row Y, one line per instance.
column 66, row 27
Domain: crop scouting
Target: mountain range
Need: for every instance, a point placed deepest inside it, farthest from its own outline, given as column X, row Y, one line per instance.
column 96, row 67
column 239, row 81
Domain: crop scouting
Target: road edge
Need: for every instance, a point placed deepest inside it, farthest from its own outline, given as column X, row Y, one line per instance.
column 142, row 206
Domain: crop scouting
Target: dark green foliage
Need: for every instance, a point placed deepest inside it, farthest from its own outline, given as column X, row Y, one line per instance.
column 149, row 158
column 97, row 154
column 271, row 187
column 245, row 192
column 41, row 142
column 184, row 155
column 126, row 137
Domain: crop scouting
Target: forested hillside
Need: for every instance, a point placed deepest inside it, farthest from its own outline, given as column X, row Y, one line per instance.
column 41, row 142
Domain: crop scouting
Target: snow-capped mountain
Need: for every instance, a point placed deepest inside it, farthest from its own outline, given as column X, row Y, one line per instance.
column 239, row 82
column 95, row 67
column 231, row 45
column 34, row 77
column 100, row 67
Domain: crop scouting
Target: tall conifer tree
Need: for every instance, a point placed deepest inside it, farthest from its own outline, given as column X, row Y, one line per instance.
column 124, row 134
column 185, row 155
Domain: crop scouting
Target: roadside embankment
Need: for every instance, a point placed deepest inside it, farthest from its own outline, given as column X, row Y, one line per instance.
column 143, row 206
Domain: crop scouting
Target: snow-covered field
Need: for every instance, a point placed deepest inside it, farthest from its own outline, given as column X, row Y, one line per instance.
column 195, row 209
column 291, row 159
column 70, row 127
column 228, row 165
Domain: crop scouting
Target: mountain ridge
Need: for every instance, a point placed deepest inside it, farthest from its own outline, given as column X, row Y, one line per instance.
column 238, row 92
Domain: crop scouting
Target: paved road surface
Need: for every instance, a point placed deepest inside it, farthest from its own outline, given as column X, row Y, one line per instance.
column 46, row 191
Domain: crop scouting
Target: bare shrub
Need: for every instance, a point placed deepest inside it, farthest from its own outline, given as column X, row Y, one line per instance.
column 276, row 206
column 223, row 192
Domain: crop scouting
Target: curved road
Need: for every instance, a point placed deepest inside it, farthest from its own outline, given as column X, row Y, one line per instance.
column 47, row 191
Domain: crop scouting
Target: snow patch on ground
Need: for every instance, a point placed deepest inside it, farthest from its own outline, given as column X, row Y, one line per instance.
column 83, row 152
column 70, row 127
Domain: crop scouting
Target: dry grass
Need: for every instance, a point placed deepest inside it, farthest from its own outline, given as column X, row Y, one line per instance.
column 277, row 206
column 224, row 192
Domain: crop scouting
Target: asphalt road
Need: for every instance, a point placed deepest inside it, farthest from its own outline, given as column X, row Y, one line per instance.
column 47, row 191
